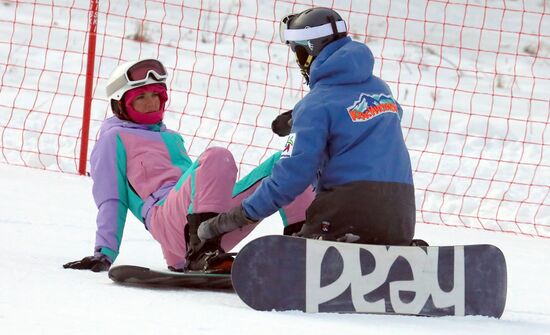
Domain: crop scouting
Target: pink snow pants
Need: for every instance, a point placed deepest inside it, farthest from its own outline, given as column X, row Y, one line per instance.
column 208, row 187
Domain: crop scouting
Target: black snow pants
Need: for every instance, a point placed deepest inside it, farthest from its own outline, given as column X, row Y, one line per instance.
column 372, row 212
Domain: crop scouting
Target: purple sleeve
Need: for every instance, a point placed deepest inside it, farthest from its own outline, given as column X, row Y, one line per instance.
column 108, row 171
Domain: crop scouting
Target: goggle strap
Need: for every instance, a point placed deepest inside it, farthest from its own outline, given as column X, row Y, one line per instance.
column 308, row 61
column 314, row 32
column 117, row 84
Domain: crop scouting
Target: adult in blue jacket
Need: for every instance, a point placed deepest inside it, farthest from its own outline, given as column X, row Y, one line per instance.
column 345, row 139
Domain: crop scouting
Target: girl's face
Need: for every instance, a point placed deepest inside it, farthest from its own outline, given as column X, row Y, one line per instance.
column 146, row 102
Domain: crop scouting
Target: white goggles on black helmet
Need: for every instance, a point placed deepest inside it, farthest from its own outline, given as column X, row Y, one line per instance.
column 288, row 35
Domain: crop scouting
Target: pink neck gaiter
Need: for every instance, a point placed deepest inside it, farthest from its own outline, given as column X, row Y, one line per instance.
column 145, row 118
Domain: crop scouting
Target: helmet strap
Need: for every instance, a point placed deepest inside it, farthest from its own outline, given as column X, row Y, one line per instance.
column 304, row 68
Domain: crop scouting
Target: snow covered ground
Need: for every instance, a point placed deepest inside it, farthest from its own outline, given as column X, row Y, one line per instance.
column 48, row 218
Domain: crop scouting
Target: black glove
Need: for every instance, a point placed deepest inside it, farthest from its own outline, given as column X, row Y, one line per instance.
column 94, row 263
column 223, row 223
column 282, row 124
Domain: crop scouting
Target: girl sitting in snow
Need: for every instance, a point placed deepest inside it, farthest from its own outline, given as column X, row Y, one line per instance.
column 139, row 165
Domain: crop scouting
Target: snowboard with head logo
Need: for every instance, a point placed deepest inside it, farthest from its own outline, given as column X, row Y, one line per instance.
column 291, row 273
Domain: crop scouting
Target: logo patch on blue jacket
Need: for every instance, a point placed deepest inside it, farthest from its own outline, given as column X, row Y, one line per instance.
column 368, row 107
column 289, row 146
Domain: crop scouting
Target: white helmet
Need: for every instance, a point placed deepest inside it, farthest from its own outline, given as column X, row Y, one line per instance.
column 134, row 74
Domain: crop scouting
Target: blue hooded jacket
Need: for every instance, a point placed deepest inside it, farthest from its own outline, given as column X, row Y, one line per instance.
column 346, row 129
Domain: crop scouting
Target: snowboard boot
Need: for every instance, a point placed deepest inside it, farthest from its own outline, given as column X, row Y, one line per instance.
column 207, row 256
column 292, row 229
column 419, row 243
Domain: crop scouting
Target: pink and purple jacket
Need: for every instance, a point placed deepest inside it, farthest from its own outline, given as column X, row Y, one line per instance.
column 132, row 166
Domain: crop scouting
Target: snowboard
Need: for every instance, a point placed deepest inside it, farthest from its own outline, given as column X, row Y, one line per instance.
column 142, row 276
column 291, row 273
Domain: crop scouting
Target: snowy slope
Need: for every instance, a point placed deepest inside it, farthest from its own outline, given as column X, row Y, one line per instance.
column 48, row 219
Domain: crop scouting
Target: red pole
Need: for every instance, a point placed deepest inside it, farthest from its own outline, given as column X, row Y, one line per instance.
column 88, row 90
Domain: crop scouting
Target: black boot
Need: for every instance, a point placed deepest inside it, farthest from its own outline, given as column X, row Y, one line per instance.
column 292, row 229
column 205, row 256
column 419, row 243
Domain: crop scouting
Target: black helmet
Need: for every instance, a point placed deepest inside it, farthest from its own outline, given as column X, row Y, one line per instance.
column 308, row 32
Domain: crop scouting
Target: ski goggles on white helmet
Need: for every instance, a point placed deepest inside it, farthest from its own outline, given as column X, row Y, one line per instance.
column 135, row 74
column 288, row 35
